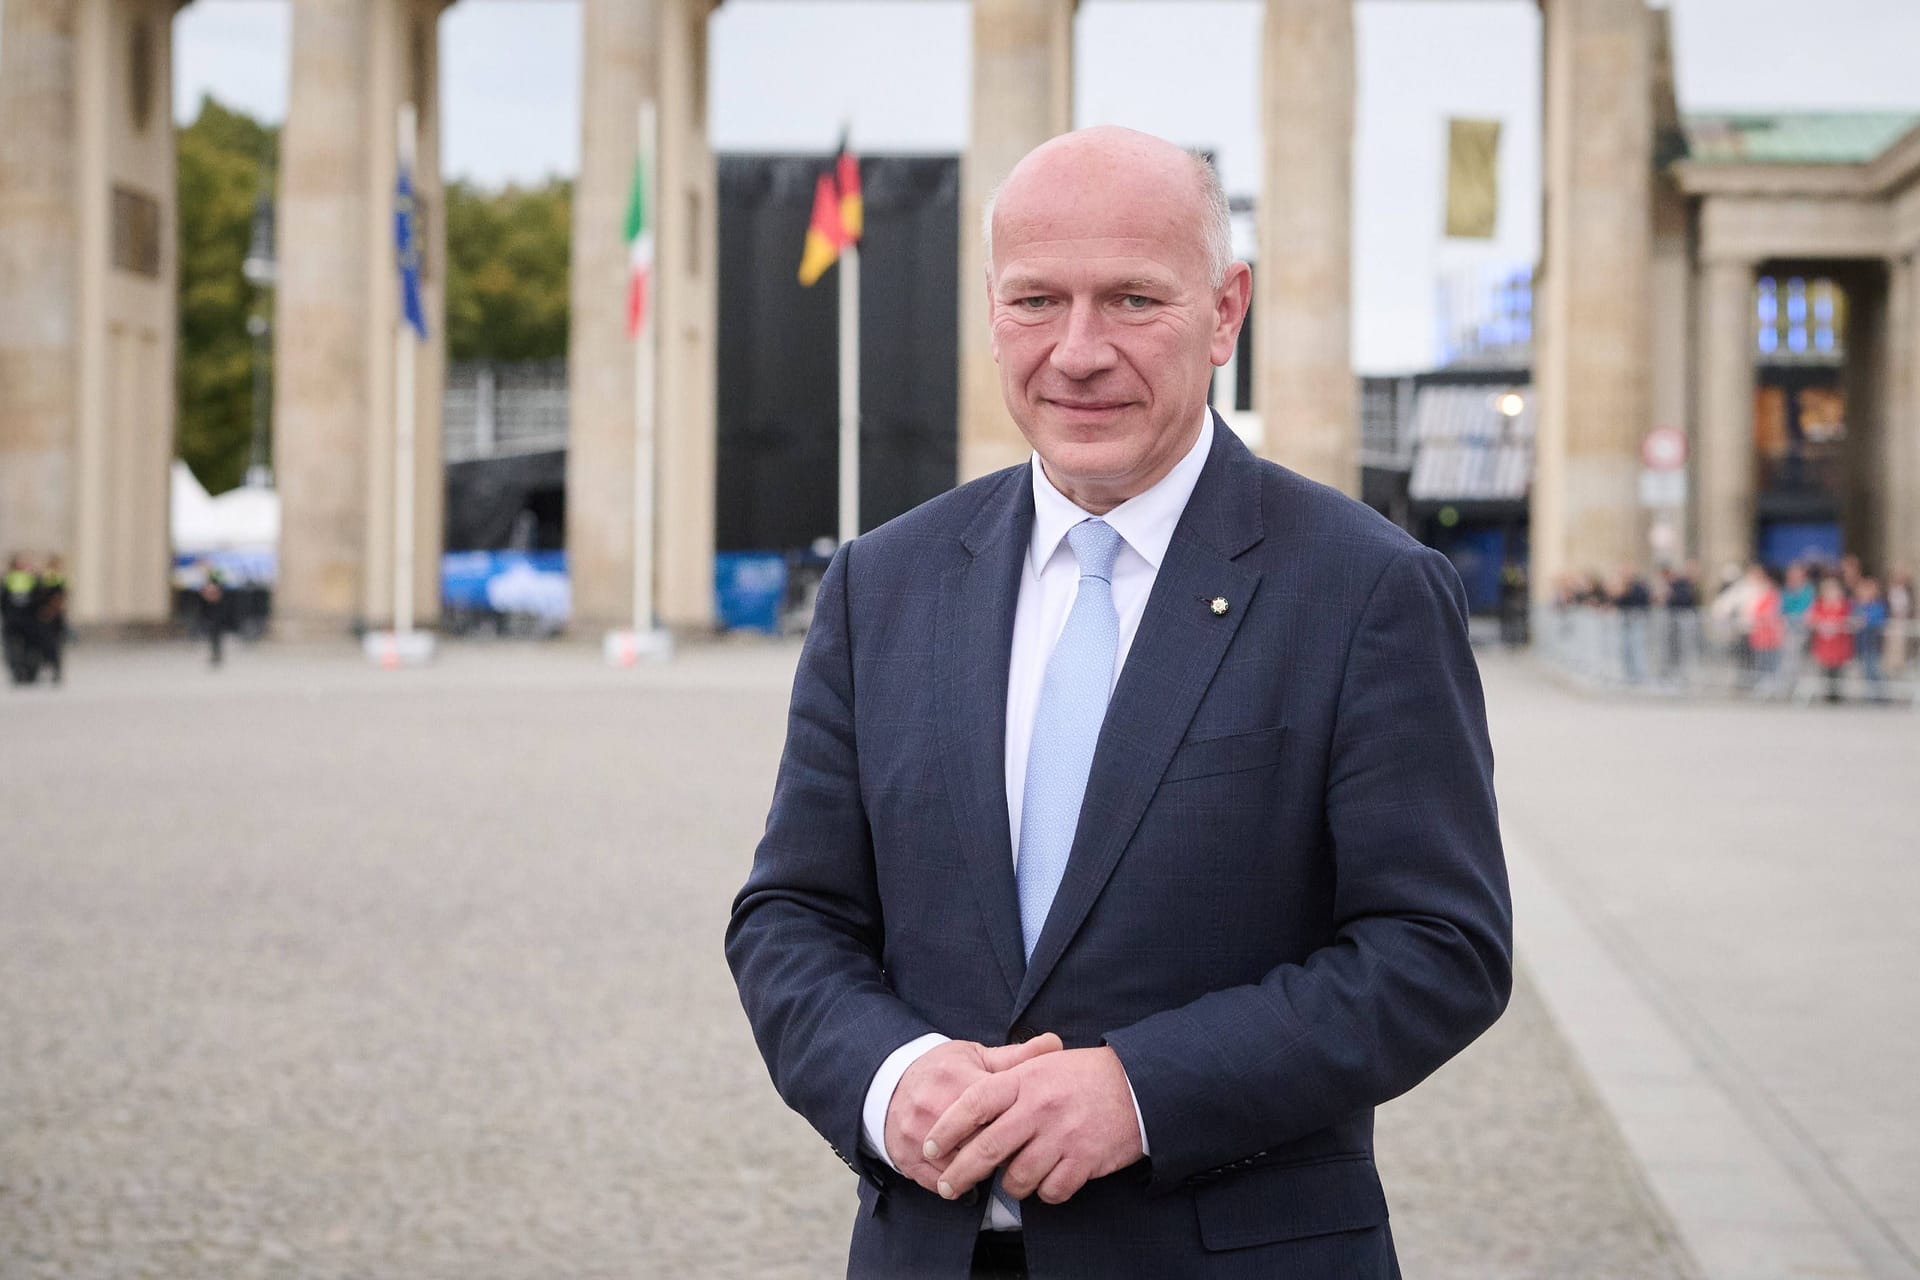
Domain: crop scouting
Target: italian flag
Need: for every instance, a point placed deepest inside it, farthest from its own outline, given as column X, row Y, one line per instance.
column 639, row 251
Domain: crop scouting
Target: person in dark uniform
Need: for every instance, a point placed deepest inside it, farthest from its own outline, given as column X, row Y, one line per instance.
column 16, row 620
column 1513, row 605
column 213, row 608
column 49, row 629
column 1634, row 602
column 1682, row 633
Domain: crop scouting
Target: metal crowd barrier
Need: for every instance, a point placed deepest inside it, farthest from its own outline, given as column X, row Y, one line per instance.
column 1688, row 653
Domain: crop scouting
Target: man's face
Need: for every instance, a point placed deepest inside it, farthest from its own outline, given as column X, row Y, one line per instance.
column 1105, row 327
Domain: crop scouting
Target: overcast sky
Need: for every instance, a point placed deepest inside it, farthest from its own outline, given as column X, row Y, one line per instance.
column 785, row 73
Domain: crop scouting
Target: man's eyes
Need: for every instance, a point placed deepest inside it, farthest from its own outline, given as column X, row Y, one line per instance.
column 1135, row 302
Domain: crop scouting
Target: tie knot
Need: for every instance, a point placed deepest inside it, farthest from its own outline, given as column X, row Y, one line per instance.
column 1095, row 544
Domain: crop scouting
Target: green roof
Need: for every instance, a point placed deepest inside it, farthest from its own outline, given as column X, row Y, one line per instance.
column 1854, row 137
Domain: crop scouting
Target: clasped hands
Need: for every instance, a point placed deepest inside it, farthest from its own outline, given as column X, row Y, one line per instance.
column 1052, row 1118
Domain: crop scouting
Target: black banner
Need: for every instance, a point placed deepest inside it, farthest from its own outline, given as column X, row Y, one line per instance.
column 779, row 349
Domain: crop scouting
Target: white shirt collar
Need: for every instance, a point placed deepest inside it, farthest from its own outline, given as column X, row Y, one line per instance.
column 1145, row 521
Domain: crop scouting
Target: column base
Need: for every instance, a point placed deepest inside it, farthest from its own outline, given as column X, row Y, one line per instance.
column 391, row 650
column 628, row 648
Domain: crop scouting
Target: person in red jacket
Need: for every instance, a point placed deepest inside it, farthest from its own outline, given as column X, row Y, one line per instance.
column 1766, row 630
column 1831, row 620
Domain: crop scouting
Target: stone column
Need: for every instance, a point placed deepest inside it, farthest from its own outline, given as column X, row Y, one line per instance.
column 40, row 339
column 322, row 316
column 1303, row 284
column 1723, row 438
column 637, row 50
column 421, row 49
column 1593, row 291
column 1900, row 440
column 1669, row 341
column 337, row 306
column 688, row 267
column 87, row 285
column 1022, row 95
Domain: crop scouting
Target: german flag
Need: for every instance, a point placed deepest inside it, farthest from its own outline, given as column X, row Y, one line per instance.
column 853, row 212
column 839, row 216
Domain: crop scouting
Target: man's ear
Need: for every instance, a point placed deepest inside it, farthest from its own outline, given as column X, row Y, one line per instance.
column 1231, row 301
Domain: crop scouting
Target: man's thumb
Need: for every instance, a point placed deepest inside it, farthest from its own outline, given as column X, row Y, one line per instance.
column 1007, row 1056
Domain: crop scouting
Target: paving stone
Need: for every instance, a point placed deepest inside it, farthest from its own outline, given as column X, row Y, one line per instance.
column 316, row 971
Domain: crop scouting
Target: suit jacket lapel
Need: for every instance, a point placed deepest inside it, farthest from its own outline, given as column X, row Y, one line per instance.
column 1175, row 653
column 972, row 647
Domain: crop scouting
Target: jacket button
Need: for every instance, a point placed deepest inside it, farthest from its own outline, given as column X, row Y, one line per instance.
column 1021, row 1034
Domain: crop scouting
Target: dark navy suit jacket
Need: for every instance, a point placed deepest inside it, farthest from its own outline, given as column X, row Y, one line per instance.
column 1286, row 901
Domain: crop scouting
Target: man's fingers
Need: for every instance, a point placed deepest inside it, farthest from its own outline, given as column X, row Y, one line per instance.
column 986, row 1151
column 1066, row 1178
column 1030, row 1167
column 926, row 1089
column 978, row 1106
column 1007, row 1056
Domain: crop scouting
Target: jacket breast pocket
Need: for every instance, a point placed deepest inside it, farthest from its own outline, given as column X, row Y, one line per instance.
column 1229, row 753
column 1269, row 1204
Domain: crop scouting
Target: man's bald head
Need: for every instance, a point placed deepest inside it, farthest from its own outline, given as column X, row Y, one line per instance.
column 1112, row 300
column 1107, row 156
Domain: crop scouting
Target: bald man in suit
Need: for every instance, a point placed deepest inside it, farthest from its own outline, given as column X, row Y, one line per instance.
column 1135, row 832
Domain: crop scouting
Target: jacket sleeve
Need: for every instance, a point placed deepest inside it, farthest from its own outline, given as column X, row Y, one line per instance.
column 1420, row 960
column 806, row 933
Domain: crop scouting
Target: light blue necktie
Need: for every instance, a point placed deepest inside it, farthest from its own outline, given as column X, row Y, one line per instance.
column 1066, row 725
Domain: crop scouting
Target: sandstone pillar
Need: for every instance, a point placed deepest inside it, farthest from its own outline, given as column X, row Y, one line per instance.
column 689, row 322
column 337, row 306
column 1022, row 95
column 1303, row 373
column 1593, row 290
column 1669, row 341
column 88, row 276
column 1900, row 441
column 637, row 50
column 1723, row 455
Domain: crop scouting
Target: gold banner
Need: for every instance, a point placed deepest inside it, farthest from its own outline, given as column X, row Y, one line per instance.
column 1473, row 178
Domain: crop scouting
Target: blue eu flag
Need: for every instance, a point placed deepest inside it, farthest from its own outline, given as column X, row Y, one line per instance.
column 407, row 248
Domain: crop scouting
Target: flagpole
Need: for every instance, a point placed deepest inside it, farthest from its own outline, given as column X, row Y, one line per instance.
column 643, row 406
column 850, row 393
column 406, row 351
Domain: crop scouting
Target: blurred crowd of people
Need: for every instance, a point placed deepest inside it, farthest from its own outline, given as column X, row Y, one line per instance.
column 33, row 617
column 1773, row 627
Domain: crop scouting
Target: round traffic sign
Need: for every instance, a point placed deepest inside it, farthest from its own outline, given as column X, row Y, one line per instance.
column 1664, row 449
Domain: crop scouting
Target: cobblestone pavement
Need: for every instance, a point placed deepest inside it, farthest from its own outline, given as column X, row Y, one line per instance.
column 316, row 971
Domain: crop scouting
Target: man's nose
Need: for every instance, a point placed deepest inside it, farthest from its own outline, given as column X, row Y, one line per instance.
column 1084, row 348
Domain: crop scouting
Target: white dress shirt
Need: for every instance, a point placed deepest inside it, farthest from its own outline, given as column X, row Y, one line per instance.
column 1049, row 582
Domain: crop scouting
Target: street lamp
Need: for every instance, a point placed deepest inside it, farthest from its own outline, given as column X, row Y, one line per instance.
column 260, row 272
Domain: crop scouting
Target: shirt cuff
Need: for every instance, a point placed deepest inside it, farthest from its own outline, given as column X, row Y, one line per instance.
column 1138, row 1119
column 873, row 1116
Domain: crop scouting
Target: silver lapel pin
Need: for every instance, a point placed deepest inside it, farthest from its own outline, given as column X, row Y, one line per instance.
column 1219, row 606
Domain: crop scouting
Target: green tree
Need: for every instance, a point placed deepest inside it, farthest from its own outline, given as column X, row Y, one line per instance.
column 225, row 162
column 506, row 281
column 507, row 261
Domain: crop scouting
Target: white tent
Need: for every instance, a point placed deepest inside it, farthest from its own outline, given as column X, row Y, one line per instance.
column 243, row 519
